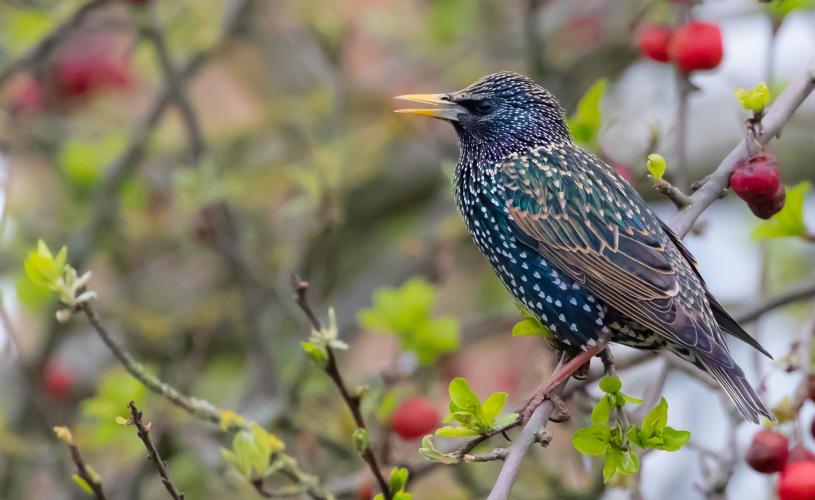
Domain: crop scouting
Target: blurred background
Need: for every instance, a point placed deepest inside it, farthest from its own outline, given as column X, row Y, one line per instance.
column 195, row 154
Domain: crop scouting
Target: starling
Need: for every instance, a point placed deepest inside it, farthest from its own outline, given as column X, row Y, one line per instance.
column 575, row 243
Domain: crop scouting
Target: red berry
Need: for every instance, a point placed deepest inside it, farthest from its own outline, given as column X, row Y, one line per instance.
column 757, row 181
column 768, row 452
column 654, row 40
column 57, row 381
column 365, row 490
column 800, row 454
column 696, row 46
column 756, row 177
column 89, row 64
column 764, row 208
column 797, row 482
column 415, row 418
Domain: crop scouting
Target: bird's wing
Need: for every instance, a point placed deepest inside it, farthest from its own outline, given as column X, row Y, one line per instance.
column 723, row 318
column 584, row 219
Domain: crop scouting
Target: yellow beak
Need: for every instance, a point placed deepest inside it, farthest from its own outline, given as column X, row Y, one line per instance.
column 449, row 113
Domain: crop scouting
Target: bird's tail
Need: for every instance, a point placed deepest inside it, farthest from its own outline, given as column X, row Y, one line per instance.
column 731, row 378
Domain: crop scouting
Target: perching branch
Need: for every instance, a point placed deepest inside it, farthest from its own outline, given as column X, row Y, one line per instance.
column 47, row 43
column 144, row 434
column 332, row 370
column 774, row 120
column 512, row 463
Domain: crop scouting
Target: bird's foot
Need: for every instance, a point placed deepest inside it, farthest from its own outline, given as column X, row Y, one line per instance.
column 561, row 412
column 582, row 373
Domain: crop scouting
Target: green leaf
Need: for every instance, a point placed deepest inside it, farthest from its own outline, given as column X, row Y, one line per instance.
column 656, row 419
column 782, row 8
column 398, row 479
column 601, row 412
column 790, row 220
column 492, row 406
column 673, row 440
column 82, row 484
column 592, row 440
column 585, row 123
column 83, row 161
column 405, row 312
column 463, row 396
column 455, row 432
column 360, row 439
column 316, row 353
column 656, row 165
column 504, row 420
column 529, row 328
column 611, row 464
column 431, row 453
column 610, row 383
column 755, row 99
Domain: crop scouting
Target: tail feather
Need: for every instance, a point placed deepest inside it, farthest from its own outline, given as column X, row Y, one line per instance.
column 731, row 378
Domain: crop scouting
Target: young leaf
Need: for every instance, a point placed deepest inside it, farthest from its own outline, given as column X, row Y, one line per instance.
column 601, row 412
column 82, row 484
column 492, row 406
column 656, row 165
column 455, row 432
column 592, row 440
column 754, row 99
column 462, row 395
column 431, row 453
column 585, row 123
column 504, row 420
column 610, row 383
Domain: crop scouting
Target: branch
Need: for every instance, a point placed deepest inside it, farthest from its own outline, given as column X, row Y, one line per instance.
column 679, row 198
column 515, row 455
column 144, row 433
column 774, row 120
column 799, row 291
column 196, row 407
column 47, row 43
column 84, row 471
column 332, row 370
column 175, row 87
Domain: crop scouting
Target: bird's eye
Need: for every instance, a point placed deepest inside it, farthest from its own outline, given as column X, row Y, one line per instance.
column 483, row 107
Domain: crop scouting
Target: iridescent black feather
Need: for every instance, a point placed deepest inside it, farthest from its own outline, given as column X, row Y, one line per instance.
column 575, row 243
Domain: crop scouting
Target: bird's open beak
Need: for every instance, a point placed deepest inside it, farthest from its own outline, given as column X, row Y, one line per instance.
column 449, row 113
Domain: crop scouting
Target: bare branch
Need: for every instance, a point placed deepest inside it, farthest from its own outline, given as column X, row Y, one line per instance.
column 88, row 475
column 774, row 120
column 144, row 433
column 799, row 291
column 679, row 198
column 332, row 370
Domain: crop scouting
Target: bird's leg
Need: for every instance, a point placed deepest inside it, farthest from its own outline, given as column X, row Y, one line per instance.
column 561, row 373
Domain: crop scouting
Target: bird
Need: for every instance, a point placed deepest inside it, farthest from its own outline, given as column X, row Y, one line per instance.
column 576, row 244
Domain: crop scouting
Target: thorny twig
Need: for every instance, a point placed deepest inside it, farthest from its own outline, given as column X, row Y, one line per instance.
column 144, row 434
column 332, row 370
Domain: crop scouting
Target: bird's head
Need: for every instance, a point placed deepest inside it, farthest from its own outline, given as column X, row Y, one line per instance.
column 499, row 114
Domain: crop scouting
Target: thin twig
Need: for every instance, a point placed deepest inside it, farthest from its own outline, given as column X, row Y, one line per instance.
column 332, row 370
column 799, row 291
column 774, row 120
column 175, row 85
column 676, row 195
column 144, row 434
column 199, row 408
column 84, row 471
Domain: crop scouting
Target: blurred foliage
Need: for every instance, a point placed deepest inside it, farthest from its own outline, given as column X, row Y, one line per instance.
column 406, row 312
column 305, row 170
column 789, row 222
